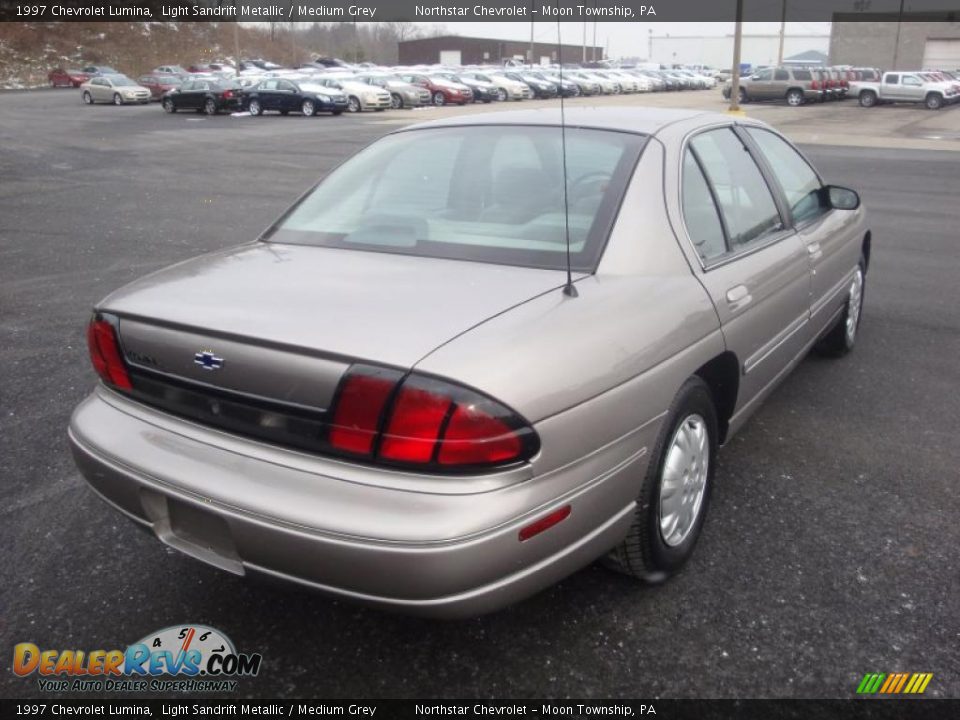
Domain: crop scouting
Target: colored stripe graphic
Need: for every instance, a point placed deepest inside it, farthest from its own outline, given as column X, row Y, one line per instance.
column 894, row 683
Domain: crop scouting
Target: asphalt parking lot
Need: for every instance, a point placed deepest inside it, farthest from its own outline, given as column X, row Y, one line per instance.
column 831, row 546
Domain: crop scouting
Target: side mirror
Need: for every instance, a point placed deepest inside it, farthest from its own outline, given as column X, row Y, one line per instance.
column 841, row 198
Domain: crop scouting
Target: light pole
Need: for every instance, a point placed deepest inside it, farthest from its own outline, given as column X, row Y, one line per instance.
column 783, row 27
column 896, row 42
column 735, row 70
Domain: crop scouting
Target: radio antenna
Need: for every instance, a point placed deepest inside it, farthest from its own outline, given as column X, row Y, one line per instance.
column 569, row 289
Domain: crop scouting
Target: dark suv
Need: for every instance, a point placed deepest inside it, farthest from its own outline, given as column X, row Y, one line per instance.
column 793, row 84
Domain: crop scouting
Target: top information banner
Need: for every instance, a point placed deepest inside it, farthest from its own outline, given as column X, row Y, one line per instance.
column 492, row 10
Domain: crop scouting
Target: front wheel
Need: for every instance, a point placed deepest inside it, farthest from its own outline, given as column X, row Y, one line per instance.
column 87, row 98
column 353, row 105
column 934, row 101
column 117, row 100
column 255, row 107
column 308, row 108
column 396, row 102
column 501, row 95
column 438, row 98
column 868, row 98
column 794, row 98
column 672, row 504
column 168, row 105
column 840, row 339
column 742, row 97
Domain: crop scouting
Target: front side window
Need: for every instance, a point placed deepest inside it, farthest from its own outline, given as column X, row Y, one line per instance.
column 911, row 80
column 800, row 183
column 749, row 211
column 781, row 75
column 763, row 75
column 488, row 193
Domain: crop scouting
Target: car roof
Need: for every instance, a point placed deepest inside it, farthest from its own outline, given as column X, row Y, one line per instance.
column 642, row 120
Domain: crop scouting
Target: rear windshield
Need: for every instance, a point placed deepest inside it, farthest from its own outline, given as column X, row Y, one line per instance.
column 486, row 193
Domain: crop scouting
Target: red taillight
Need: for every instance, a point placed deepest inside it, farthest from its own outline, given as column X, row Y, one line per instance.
column 227, row 94
column 415, row 425
column 815, row 85
column 415, row 420
column 356, row 419
column 105, row 354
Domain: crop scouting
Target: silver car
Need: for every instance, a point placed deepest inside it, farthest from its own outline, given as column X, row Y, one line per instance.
column 118, row 89
column 446, row 379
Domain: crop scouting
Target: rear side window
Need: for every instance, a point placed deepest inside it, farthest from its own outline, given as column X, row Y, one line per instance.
column 781, row 75
column 800, row 183
column 749, row 211
column 700, row 213
column 891, row 80
column 487, row 193
column 801, row 75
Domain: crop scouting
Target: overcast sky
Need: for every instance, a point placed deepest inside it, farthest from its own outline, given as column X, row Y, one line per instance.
column 622, row 39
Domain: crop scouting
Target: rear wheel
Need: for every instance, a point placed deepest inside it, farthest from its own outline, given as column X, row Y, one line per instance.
column 255, row 107
column 794, row 98
column 868, row 98
column 396, row 102
column 87, row 98
column 841, row 338
column 168, row 105
column 675, row 493
column 210, row 106
column 308, row 108
column 934, row 101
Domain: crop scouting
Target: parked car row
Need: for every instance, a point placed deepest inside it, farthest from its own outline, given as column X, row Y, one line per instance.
column 871, row 86
column 327, row 85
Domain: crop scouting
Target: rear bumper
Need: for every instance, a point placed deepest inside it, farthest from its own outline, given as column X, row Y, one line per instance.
column 418, row 552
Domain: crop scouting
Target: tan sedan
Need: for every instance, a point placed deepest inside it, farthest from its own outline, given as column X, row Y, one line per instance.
column 118, row 89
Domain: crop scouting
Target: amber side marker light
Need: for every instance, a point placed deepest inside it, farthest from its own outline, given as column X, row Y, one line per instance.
column 544, row 523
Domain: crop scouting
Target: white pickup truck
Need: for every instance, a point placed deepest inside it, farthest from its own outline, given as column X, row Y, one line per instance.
column 905, row 87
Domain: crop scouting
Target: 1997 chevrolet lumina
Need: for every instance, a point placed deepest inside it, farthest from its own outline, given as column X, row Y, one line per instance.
column 394, row 396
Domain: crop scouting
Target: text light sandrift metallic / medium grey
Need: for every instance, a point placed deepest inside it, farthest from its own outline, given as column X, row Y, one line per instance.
column 390, row 396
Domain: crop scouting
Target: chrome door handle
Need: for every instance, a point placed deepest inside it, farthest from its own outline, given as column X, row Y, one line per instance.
column 738, row 296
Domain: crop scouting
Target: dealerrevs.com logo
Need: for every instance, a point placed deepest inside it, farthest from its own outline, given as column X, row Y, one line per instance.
column 185, row 658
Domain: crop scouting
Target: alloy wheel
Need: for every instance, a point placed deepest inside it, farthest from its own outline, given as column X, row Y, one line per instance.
column 684, row 479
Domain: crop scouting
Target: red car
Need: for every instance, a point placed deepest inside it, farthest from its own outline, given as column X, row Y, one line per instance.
column 442, row 91
column 158, row 84
column 59, row 77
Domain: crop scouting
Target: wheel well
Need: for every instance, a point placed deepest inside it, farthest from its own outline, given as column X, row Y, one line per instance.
column 722, row 376
column 866, row 251
column 790, row 90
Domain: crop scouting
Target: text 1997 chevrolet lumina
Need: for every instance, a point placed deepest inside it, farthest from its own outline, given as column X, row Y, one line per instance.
column 394, row 395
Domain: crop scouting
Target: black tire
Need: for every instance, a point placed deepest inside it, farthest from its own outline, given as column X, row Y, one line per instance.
column 338, row 112
column 742, row 96
column 255, row 108
column 87, row 97
column 210, row 106
column 168, row 105
column 868, row 98
column 934, row 101
column 794, row 98
column 396, row 102
column 840, row 339
column 117, row 99
column 308, row 108
column 644, row 554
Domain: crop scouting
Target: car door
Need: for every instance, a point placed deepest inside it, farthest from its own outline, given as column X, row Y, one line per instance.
column 761, row 85
column 753, row 266
column 103, row 90
column 829, row 236
column 912, row 88
column 287, row 96
column 891, row 89
column 269, row 97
